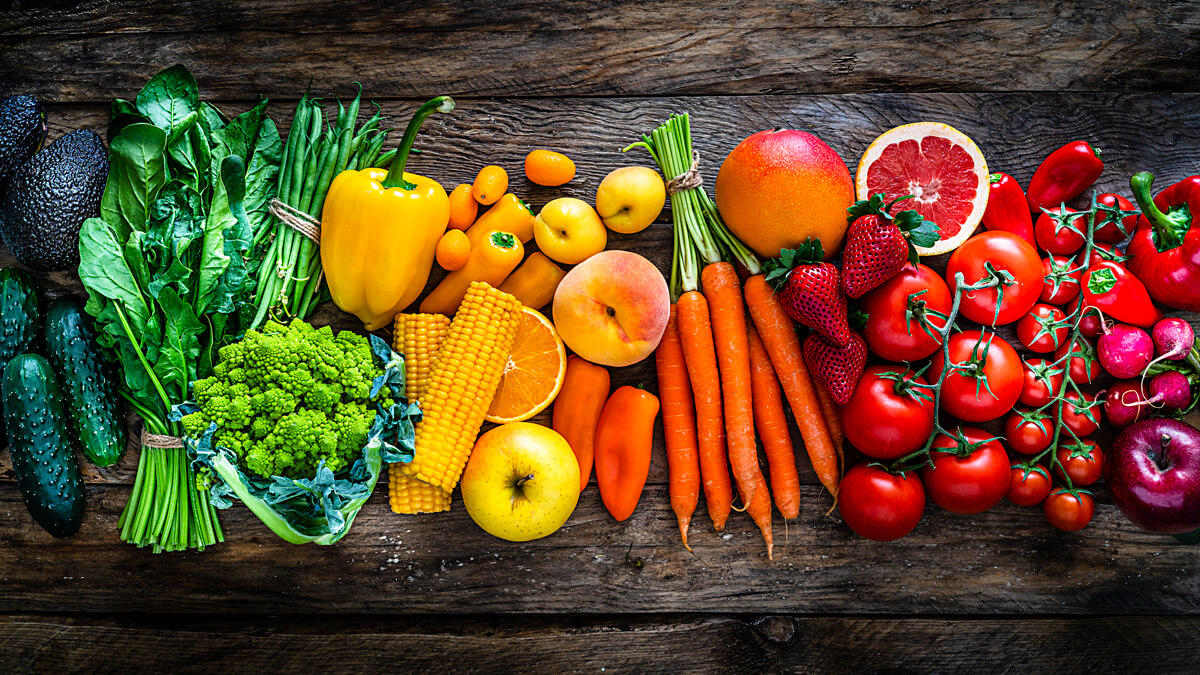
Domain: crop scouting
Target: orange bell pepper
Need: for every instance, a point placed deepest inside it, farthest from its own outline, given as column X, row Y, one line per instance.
column 623, row 440
column 492, row 261
column 510, row 214
column 577, row 410
column 535, row 281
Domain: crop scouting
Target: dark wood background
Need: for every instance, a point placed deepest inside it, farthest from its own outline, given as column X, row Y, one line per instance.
column 1001, row 591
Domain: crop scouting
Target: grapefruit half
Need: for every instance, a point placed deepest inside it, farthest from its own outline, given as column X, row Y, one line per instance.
column 940, row 167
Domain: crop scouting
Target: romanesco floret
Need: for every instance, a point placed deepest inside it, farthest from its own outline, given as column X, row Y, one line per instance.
column 286, row 398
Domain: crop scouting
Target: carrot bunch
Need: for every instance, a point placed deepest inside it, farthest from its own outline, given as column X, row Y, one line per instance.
column 718, row 380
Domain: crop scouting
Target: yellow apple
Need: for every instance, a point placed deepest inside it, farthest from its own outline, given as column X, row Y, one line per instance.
column 569, row 230
column 630, row 198
column 522, row 482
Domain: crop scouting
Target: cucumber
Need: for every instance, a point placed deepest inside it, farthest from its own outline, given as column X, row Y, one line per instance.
column 42, row 457
column 89, row 395
column 18, row 317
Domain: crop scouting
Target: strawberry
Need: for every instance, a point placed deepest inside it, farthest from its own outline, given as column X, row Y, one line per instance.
column 838, row 368
column 808, row 290
column 878, row 244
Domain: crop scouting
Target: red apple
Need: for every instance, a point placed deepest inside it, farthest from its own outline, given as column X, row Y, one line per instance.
column 1153, row 473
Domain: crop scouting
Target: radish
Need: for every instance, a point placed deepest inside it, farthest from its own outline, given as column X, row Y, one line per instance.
column 1125, row 351
column 1125, row 403
column 1170, row 391
column 1173, row 338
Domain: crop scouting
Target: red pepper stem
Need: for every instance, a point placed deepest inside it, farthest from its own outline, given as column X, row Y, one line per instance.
column 1163, row 226
column 395, row 174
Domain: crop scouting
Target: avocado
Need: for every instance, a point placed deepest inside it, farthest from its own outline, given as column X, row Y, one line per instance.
column 22, row 130
column 47, row 198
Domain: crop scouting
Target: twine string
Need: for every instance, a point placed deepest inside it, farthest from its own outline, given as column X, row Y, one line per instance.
column 688, row 179
column 297, row 220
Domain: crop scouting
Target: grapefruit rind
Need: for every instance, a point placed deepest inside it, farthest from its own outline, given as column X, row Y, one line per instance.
column 916, row 132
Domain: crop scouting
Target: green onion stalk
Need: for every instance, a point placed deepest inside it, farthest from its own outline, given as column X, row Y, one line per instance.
column 290, row 279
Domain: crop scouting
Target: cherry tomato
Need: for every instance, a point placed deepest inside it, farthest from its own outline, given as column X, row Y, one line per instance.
column 1043, row 329
column 1003, row 251
column 897, row 310
column 1028, row 485
column 1109, row 230
column 1079, row 417
column 1061, row 280
column 963, row 393
column 1085, row 367
column 887, row 417
column 1091, row 325
column 879, row 505
column 1041, row 382
column 1102, row 252
column 1083, row 462
column 1028, row 432
column 1060, row 236
column 1069, row 511
column 970, row 484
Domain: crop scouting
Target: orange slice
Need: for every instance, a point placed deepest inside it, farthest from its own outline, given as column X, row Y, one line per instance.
column 534, row 373
column 940, row 167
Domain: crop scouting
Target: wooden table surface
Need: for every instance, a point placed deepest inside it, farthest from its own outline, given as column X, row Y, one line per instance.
column 1001, row 591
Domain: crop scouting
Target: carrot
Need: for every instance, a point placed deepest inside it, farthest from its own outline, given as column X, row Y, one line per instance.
column 773, row 430
column 723, row 290
column 700, row 355
column 679, row 426
column 779, row 337
column 833, row 420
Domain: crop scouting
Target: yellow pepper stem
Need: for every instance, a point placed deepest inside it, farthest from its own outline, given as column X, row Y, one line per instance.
column 395, row 175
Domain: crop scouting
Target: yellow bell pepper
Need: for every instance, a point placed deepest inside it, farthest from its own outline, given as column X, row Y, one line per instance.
column 379, row 231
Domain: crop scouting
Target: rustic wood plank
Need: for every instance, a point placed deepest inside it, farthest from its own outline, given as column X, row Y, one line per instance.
column 599, row 48
column 684, row 644
column 1007, row 560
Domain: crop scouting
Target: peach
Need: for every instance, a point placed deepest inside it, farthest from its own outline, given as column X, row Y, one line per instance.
column 612, row 308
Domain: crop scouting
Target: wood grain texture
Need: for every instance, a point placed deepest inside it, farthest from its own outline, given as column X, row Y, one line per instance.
column 1004, row 561
column 602, row 48
column 684, row 644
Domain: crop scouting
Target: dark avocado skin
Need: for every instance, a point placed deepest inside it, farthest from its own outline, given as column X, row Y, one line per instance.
column 19, row 318
column 47, row 198
column 42, row 457
column 89, row 396
column 22, row 131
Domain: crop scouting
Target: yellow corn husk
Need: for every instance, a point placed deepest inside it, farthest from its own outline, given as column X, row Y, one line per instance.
column 417, row 337
column 462, row 384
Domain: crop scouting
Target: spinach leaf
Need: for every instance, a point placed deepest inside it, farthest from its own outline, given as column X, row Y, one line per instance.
column 261, row 175
column 171, row 100
column 106, row 276
column 137, row 172
column 172, row 244
column 213, row 258
column 175, row 364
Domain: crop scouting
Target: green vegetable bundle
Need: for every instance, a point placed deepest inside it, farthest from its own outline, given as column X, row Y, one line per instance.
column 170, row 272
column 297, row 422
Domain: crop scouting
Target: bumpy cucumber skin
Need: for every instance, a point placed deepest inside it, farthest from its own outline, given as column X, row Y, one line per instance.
column 18, row 316
column 47, row 471
column 89, row 395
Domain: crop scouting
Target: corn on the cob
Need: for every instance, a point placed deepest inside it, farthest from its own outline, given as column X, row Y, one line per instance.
column 417, row 337
column 462, row 384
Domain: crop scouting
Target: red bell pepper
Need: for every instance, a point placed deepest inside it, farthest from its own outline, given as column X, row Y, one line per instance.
column 623, row 440
column 1007, row 209
column 1114, row 290
column 1063, row 175
column 1165, row 249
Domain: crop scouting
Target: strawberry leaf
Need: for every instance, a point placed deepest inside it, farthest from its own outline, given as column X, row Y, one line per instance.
column 867, row 207
column 917, row 231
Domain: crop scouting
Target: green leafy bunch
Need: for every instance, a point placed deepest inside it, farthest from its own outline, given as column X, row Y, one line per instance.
column 289, row 398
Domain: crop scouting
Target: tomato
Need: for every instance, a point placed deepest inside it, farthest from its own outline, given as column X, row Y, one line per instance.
column 963, row 393
column 1028, row 485
column 879, row 505
column 1069, row 511
column 1082, row 416
column 1041, row 382
column 1043, row 329
column 1027, row 431
column 971, row 484
column 1102, row 252
column 1091, row 325
column 1085, row 367
column 1060, row 283
column 1083, row 462
column 897, row 310
column 1001, row 251
column 1060, row 236
column 887, row 417
column 1109, row 230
